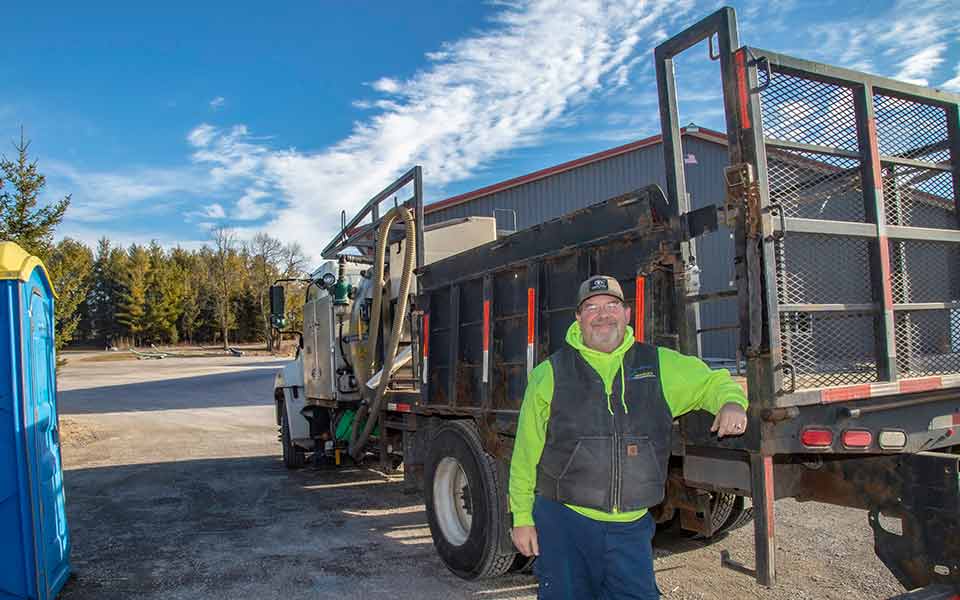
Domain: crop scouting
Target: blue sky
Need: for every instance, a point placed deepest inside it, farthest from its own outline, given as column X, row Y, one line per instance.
column 165, row 120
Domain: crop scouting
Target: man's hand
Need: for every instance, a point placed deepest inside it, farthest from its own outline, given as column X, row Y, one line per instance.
column 525, row 539
column 731, row 420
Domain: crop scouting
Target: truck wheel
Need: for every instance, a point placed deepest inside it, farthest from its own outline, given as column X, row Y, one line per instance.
column 740, row 516
column 466, row 503
column 293, row 457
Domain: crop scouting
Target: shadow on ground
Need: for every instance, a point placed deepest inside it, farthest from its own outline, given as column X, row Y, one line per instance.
column 248, row 528
column 245, row 386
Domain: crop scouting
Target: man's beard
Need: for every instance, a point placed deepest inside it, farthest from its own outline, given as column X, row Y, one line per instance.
column 605, row 334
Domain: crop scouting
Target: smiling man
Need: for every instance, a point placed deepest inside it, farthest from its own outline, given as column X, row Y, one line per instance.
column 592, row 446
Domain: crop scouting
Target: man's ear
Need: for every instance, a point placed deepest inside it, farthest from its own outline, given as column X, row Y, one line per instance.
column 627, row 312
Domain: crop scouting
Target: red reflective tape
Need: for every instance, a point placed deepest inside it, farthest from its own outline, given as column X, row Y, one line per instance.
column 841, row 394
column 403, row 407
column 640, row 308
column 885, row 271
column 426, row 334
column 921, row 385
column 531, row 307
column 741, row 67
column 874, row 154
column 486, row 325
column 768, row 493
column 956, row 419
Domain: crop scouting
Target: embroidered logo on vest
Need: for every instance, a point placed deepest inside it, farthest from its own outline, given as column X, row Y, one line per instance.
column 643, row 372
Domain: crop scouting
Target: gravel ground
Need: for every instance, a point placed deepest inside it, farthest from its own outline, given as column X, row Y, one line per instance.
column 175, row 490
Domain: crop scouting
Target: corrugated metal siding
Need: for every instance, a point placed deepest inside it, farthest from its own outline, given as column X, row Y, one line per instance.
column 556, row 195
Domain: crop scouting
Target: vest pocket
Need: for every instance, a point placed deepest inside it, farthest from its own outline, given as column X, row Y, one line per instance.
column 643, row 479
column 585, row 477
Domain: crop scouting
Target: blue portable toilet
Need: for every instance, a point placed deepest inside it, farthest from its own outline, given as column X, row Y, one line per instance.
column 34, row 542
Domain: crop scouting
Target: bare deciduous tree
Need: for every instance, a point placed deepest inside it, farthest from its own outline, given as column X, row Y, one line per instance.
column 226, row 277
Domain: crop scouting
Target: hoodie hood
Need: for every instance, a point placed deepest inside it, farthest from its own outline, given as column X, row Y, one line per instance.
column 575, row 339
column 606, row 364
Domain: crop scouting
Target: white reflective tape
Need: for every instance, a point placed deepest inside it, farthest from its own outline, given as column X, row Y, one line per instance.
column 884, row 389
column 529, row 358
column 426, row 362
column 486, row 365
column 951, row 380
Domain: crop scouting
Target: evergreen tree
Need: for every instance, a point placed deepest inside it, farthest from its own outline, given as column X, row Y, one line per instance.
column 20, row 220
column 132, row 299
column 193, row 280
column 163, row 296
column 70, row 265
column 108, row 272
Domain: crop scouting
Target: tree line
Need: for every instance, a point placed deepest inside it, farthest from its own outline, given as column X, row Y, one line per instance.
column 144, row 293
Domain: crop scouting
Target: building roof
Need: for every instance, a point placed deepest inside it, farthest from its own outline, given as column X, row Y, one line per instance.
column 699, row 132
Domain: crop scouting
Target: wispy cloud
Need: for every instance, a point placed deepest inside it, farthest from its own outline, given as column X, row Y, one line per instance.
column 953, row 84
column 919, row 66
column 214, row 211
column 103, row 196
column 231, row 153
column 118, row 237
column 387, row 85
column 477, row 98
column 249, row 207
column 535, row 72
column 911, row 40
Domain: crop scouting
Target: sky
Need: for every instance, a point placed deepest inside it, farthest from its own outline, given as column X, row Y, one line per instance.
column 164, row 121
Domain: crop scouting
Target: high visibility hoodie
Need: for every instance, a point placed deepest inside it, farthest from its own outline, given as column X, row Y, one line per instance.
column 687, row 384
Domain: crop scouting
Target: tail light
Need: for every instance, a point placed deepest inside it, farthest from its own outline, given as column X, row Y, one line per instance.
column 816, row 438
column 857, row 438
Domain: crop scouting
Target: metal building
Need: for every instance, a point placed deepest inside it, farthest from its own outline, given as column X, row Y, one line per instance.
column 542, row 195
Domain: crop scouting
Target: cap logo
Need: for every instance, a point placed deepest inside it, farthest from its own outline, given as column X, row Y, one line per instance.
column 598, row 284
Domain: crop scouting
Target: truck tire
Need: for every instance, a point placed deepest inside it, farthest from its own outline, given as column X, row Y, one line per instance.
column 293, row 457
column 465, row 495
column 740, row 516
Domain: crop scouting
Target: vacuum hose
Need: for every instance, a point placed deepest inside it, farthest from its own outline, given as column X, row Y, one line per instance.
column 369, row 413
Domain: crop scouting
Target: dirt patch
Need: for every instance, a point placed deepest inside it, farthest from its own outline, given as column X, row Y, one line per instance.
column 75, row 434
column 104, row 357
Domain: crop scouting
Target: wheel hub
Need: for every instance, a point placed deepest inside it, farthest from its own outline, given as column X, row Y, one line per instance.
column 452, row 501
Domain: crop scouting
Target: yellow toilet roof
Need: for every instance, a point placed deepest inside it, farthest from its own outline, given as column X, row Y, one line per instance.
column 16, row 263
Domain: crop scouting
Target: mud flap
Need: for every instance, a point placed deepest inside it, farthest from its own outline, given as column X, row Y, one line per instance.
column 927, row 551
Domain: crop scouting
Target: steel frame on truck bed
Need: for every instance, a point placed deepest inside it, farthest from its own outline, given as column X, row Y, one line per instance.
column 844, row 188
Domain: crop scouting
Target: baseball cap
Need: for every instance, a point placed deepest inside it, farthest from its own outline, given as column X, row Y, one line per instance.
column 599, row 285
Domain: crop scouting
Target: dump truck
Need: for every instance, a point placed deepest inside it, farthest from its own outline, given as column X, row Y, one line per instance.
column 841, row 205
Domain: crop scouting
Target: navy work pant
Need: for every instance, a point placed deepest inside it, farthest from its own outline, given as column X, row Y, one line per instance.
column 583, row 559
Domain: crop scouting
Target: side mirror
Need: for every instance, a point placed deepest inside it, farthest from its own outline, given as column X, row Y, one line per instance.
column 277, row 306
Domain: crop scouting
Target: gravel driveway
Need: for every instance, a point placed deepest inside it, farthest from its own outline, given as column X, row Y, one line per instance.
column 175, row 490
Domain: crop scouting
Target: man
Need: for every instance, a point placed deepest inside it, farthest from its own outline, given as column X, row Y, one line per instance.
column 592, row 445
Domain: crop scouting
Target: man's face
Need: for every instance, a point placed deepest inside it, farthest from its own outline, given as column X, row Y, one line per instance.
column 603, row 321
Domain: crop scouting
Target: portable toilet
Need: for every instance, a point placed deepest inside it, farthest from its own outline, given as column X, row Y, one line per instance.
column 34, row 542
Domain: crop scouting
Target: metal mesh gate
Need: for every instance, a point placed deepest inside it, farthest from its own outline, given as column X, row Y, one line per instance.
column 861, row 180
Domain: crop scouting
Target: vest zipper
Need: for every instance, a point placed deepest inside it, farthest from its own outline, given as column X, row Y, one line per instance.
column 615, row 451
